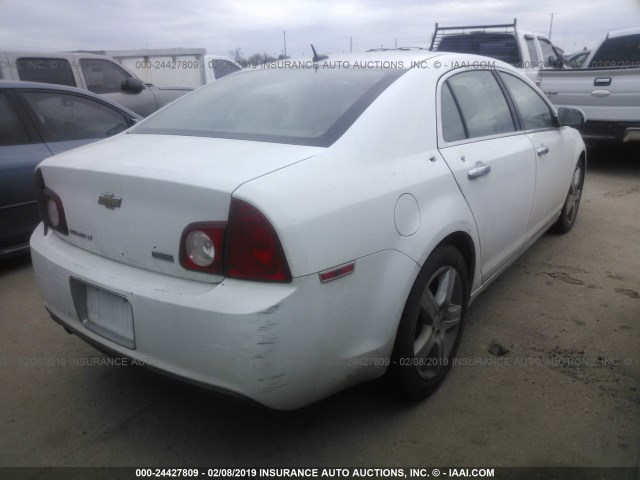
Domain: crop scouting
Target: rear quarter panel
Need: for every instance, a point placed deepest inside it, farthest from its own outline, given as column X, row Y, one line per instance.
column 340, row 205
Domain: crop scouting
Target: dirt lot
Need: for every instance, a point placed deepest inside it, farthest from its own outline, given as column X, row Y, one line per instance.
column 566, row 394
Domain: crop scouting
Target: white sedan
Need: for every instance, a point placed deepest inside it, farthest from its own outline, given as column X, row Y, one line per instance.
column 290, row 231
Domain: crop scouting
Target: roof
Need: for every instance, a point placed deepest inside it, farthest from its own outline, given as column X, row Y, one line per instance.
column 622, row 33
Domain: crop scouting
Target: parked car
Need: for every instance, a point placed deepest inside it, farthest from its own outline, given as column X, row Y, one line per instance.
column 282, row 234
column 36, row 121
column 606, row 90
column 96, row 73
column 185, row 67
column 526, row 50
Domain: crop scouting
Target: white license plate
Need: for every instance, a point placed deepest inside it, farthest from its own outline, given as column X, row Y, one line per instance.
column 110, row 316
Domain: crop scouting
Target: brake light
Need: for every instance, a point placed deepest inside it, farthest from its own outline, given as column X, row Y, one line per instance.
column 50, row 206
column 202, row 247
column 253, row 249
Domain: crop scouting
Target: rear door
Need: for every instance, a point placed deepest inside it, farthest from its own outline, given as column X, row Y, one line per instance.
column 491, row 159
column 20, row 151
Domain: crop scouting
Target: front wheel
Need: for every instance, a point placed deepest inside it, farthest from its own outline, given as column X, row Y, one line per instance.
column 431, row 325
column 569, row 211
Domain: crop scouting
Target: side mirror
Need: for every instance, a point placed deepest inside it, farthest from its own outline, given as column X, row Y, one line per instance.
column 132, row 85
column 132, row 121
column 570, row 117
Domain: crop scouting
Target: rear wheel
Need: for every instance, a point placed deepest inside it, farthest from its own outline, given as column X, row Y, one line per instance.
column 431, row 325
column 569, row 211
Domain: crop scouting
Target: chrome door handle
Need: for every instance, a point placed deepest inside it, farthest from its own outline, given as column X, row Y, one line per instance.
column 479, row 170
column 542, row 151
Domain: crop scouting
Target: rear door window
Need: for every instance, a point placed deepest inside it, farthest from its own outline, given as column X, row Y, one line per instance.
column 45, row 70
column 482, row 104
column 64, row 116
column 12, row 130
column 452, row 127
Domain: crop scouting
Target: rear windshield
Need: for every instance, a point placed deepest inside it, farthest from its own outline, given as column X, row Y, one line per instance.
column 618, row 52
column 296, row 106
column 501, row 46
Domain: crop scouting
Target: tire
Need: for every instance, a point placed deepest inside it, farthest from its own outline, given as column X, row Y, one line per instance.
column 569, row 211
column 431, row 324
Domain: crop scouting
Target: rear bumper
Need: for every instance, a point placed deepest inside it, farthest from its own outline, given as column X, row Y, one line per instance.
column 610, row 132
column 284, row 346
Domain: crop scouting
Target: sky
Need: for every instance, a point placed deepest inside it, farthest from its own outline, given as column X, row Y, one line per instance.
column 257, row 26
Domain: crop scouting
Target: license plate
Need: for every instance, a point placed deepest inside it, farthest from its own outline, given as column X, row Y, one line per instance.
column 108, row 314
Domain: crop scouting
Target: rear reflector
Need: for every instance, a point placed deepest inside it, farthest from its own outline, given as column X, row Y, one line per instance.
column 338, row 272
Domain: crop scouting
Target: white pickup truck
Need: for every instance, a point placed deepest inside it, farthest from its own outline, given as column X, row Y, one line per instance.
column 606, row 89
column 185, row 67
column 525, row 50
column 97, row 73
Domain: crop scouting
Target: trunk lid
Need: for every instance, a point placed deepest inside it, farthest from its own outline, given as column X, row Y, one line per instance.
column 165, row 182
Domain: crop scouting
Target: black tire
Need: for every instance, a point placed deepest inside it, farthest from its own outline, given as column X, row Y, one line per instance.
column 569, row 212
column 431, row 325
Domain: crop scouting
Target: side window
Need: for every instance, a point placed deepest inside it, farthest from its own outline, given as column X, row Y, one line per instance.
column 222, row 67
column 547, row 51
column 103, row 76
column 482, row 104
column 533, row 52
column 534, row 110
column 63, row 116
column 12, row 131
column 452, row 126
column 47, row 70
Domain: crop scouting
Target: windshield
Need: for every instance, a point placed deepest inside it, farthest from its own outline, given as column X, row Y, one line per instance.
column 297, row 106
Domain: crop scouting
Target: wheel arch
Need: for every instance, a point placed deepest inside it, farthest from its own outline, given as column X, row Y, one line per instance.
column 463, row 242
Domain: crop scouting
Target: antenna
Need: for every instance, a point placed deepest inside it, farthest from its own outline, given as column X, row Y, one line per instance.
column 316, row 57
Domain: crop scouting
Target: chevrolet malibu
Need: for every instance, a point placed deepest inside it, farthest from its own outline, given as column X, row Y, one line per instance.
column 290, row 231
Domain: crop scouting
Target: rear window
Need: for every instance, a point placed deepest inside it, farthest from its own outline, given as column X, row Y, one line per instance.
column 501, row 46
column 618, row 52
column 47, row 70
column 295, row 106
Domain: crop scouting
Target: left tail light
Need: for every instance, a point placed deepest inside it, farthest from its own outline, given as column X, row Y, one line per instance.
column 50, row 206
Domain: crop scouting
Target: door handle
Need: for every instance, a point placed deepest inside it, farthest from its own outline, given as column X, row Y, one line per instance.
column 542, row 151
column 479, row 170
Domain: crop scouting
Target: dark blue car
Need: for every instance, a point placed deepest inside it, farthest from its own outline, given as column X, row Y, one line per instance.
column 38, row 120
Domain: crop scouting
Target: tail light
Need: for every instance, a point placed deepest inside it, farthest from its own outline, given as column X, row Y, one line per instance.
column 253, row 249
column 247, row 247
column 202, row 247
column 50, row 206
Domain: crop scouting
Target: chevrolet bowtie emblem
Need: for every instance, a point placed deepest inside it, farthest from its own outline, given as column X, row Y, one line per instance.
column 110, row 201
